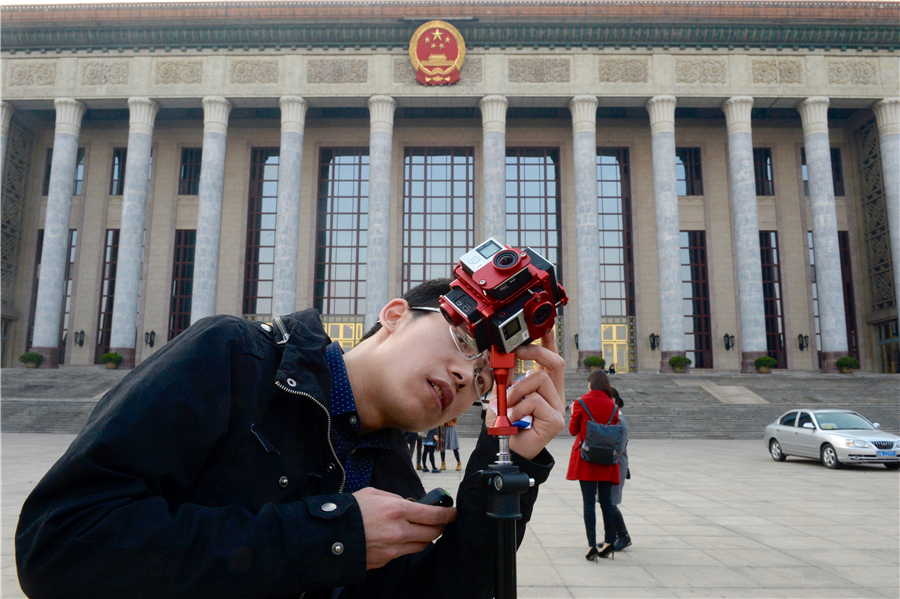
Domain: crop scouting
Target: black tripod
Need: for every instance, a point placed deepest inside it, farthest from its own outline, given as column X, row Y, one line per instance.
column 504, row 483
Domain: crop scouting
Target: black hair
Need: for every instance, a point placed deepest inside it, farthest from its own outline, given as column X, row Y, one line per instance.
column 425, row 295
column 598, row 381
column 617, row 398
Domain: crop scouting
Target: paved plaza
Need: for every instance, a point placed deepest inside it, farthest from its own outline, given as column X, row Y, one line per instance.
column 709, row 518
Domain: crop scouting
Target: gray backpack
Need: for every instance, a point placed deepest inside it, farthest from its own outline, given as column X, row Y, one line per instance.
column 602, row 442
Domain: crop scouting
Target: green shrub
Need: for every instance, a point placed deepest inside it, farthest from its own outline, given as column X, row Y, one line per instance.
column 594, row 362
column 765, row 361
column 847, row 362
column 31, row 357
column 111, row 358
column 679, row 362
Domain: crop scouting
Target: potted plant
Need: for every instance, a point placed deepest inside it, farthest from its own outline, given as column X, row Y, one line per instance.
column 31, row 359
column 594, row 362
column 111, row 360
column 679, row 363
column 765, row 364
column 847, row 364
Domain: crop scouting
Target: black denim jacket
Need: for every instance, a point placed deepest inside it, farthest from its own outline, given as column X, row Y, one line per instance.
column 209, row 472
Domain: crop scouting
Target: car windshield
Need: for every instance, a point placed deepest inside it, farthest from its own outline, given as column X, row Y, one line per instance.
column 839, row 421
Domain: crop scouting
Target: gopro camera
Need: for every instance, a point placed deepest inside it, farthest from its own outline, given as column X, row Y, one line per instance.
column 502, row 297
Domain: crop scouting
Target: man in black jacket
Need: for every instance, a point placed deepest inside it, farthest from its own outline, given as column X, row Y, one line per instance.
column 256, row 460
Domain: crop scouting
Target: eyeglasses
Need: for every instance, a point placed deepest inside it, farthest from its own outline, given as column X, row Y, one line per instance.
column 483, row 376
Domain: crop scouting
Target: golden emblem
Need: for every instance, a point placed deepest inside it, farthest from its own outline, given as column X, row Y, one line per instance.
column 437, row 52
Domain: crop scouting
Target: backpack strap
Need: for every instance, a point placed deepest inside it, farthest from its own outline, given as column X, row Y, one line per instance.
column 591, row 416
column 614, row 412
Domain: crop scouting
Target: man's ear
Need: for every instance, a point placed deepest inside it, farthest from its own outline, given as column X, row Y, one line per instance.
column 392, row 313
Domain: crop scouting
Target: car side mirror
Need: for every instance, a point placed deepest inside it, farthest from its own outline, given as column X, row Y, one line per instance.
column 877, row 425
column 808, row 425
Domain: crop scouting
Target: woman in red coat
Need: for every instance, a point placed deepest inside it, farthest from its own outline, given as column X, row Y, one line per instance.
column 596, row 479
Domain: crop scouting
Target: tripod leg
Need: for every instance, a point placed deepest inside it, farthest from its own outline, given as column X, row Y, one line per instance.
column 506, row 559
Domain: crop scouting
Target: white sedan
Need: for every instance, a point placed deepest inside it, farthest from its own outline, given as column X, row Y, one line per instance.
column 834, row 437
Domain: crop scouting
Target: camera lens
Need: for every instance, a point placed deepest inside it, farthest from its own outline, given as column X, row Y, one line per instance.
column 506, row 259
column 542, row 313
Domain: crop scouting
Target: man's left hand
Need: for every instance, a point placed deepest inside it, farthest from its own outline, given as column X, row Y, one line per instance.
column 541, row 394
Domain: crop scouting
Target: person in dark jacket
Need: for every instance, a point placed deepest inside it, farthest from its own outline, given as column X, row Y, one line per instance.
column 249, row 459
column 596, row 480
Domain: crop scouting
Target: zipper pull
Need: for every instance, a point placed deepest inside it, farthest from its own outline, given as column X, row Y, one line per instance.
column 284, row 334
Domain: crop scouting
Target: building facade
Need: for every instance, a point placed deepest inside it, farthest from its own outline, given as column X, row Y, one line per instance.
column 719, row 180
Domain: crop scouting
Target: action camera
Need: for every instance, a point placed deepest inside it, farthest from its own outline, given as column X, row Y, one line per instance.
column 502, row 297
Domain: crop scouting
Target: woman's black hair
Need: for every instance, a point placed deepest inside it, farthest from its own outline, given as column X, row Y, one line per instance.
column 598, row 381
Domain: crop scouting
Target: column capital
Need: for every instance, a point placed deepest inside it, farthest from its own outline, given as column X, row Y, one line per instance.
column 293, row 113
column 662, row 114
column 584, row 113
column 6, row 112
column 141, row 114
column 887, row 113
column 737, row 113
column 814, row 114
column 381, row 113
column 215, row 114
column 493, row 113
column 68, row 115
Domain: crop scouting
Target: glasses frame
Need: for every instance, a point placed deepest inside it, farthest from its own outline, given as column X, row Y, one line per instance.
column 483, row 389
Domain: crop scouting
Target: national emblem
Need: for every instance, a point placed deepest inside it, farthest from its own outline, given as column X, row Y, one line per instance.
column 437, row 52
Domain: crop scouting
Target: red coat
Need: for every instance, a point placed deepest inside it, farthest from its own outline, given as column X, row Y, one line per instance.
column 601, row 407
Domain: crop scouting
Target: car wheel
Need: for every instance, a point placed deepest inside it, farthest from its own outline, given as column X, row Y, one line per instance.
column 829, row 457
column 893, row 466
column 776, row 451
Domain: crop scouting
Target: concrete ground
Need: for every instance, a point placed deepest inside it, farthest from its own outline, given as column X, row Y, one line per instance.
column 709, row 518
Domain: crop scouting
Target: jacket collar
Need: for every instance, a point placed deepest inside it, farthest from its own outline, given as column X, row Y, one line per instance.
column 303, row 368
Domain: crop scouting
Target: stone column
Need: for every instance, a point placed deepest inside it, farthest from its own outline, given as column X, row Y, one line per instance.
column 6, row 112
column 378, row 253
column 832, row 323
column 587, row 230
column 123, row 335
column 668, row 228
column 745, row 228
column 887, row 112
column 493, row 161
column 209, row 217
column 287, row 224
column 52, row 279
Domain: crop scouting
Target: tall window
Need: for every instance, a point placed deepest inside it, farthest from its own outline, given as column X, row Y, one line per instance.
column 688, row 174
column 695, row 291
column 341, row 231
column 117, row 176
column 837, row 171
column 438, row 211
column 772, row 304
column 259, row 272
column 67, row 302
column 847, row 284
column 189, row 177
column 614, row 216
column 762, row 168
column 533, row 201
column 79, row 172
column 182, row 281
column 107, row 292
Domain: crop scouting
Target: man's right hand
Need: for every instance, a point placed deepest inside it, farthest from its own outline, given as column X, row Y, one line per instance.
column 395, row 526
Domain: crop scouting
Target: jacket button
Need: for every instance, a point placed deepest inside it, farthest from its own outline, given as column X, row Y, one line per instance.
column 330, row 467
column 283, row 481
column 328, row 507
column 266, row 328
column 353, row 420
column 337, row 548
column 291, row 383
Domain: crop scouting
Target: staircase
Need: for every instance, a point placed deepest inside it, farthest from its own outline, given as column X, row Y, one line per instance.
column 656, row 405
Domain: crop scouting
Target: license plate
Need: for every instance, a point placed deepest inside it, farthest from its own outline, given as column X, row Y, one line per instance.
column 887, row 454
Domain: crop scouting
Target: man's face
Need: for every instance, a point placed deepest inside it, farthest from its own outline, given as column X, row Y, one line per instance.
column 426, row 381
